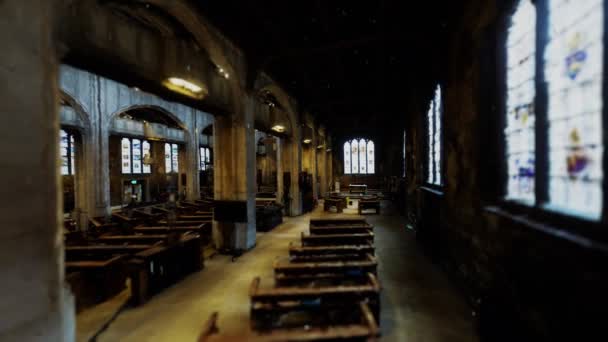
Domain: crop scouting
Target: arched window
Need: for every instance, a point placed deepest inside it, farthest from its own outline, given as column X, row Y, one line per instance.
column 359, row 157
column 347, row 168
column 520, row 121
column 133, row 152
column 171, row 158
column 205, row 158
column 434, row 139
column 565, row 172
column 573, row 69
column 68, row 153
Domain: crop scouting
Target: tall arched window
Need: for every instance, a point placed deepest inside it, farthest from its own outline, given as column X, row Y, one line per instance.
column 133, row 152
column 68, row 153
column 359, row 157
column 347, row 168
column 563, row 173
column 520, row 121
column 171, row 158
column 434, row 139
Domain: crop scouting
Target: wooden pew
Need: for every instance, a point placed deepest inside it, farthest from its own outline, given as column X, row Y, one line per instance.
column 132, row 239
column 268, row 305
column 329, row 202
column 156, row 268
column 304, row 272
column 181, row 223
column 355, row 228
column 197, row 217
column 101, row 277
column 75, row 252
column 362, row 328
column 337, row 221
column 337, row 239
column 300, row 251
column 159, row 230
column 365, row 204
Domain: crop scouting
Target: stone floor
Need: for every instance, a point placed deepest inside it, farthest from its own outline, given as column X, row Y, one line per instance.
column 418, row 303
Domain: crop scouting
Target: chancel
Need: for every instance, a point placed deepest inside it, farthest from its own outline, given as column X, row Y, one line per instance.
column 188, row 170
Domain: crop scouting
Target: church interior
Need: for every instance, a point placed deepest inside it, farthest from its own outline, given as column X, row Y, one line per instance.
column 188, row 170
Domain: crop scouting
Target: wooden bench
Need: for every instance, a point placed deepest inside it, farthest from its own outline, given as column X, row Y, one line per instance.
column 334, row 202
column 156, row 268
column 159, row 230
column 343, row 264
column 132, row 239
column 314, row 222
column 364, row 249
column 103, row 276
column 268, row 305
column 357, row 325
column 337, row 239
column 75, row 252
column 357, row 188
column 365, row 204
column 341, row 229
column 183, row 223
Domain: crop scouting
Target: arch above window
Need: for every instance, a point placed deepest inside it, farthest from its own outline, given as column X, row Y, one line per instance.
column 359, row 157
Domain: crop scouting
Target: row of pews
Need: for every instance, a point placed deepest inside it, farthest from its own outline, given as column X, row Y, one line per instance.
column 326, row 289
column 153, row 247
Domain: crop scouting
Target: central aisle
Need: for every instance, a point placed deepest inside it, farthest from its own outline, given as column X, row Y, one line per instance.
column 418, row 304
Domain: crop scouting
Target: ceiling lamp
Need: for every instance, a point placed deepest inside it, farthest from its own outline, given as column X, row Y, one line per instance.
column 320, row 146
column 185, row 87
column 223, row 72
column 278, row 128
column 307, row 141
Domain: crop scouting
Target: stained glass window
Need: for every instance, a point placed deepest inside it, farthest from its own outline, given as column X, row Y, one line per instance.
column 362, row 157
column 132, row 153
column 347, row 168
column 126, row 155
column 146, row 155
column 434, row 139
column 205, row 158
column 370, row 157
column 404, row 160
column 72, row 155
column 174, row 158
column 359, row 157
column 573, row 65
column 67, row 153
column 64, row 153
column 136, row 155
column 167, row 157
column 520, row 121
column 354, row 156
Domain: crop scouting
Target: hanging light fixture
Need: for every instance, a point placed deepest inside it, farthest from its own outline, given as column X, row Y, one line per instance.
column 186, row 87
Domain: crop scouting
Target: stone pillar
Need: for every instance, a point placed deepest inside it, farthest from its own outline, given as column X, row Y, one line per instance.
column 291, row 161
column 234, row 175
column 279, row 163
column 192, row 166
column 313, row 165
column 34, row 303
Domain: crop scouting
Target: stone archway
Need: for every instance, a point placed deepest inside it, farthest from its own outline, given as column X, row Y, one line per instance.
column 290, row 147
column 83, row 184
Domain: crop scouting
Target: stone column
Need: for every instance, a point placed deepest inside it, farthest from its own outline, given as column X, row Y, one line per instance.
column 234, row 175
column 193, row 163
column 313, row 164
column 34, row 304
column 291, row 161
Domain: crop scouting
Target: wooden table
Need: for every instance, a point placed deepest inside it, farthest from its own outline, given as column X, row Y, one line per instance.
column 357, row 188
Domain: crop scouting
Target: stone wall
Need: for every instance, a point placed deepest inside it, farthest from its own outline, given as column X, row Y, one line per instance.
column 527, row 278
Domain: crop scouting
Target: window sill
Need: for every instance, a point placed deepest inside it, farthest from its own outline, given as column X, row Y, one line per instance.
column 548, row 229
column 434, row 189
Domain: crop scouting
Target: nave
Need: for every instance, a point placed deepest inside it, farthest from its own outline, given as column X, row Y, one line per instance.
column 418, row 303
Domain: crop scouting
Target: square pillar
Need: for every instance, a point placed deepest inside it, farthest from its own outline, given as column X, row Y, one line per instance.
column 34, row 302
column 234, row 178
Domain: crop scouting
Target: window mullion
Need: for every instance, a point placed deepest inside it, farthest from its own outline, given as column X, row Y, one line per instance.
column 540, row 108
